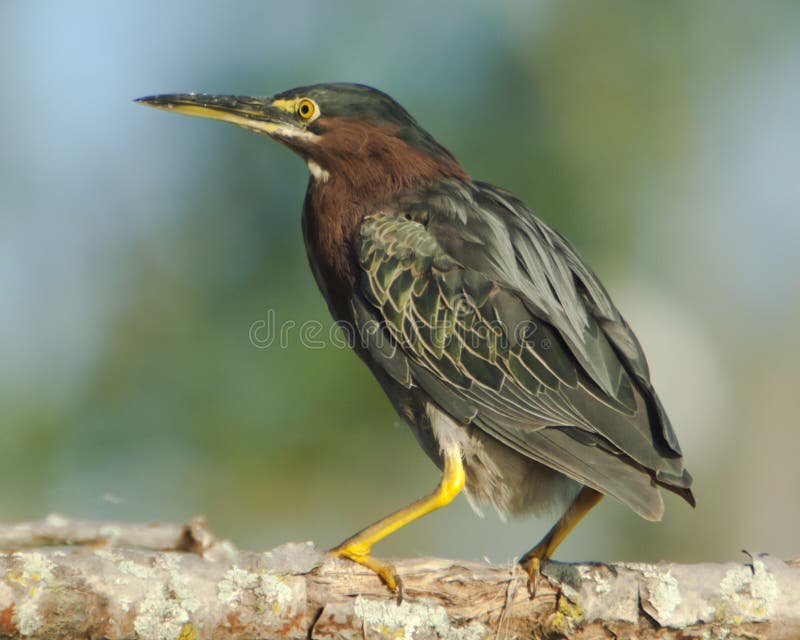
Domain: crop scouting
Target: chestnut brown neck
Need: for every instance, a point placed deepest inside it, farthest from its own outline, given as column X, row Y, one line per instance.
column 366, row 167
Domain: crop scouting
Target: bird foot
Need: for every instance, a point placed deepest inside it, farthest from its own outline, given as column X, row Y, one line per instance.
column 385, row 571
column 532, row 566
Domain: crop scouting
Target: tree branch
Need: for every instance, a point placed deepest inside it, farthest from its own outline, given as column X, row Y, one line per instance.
column 65, row 579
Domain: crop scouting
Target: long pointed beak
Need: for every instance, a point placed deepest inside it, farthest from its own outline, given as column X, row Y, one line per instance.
column 257, row 114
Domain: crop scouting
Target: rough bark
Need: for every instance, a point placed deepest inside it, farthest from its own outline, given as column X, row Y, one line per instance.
column 68, row 579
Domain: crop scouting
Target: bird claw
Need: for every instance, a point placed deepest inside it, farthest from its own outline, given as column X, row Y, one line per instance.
column 384, row 570
column 532, row 567
column 399, row 588
column 388, row 574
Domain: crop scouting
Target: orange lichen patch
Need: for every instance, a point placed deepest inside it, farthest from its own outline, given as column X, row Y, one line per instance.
column 295, row 624
column 234, row 623
column 6, row 621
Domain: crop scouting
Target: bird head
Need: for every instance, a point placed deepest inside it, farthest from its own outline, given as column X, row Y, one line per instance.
column 348, row 131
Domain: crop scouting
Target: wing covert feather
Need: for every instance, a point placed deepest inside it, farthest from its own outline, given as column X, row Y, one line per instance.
column 495, row 317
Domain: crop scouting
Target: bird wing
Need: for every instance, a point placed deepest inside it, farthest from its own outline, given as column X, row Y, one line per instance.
column 465, row 294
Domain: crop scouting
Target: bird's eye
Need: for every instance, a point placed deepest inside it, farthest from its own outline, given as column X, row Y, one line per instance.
column 306, row 109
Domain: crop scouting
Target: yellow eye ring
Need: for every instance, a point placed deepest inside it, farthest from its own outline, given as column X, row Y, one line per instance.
column 306, row 109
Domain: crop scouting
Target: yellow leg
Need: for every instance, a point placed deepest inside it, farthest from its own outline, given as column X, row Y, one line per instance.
column 357, row 548
column 531, row 561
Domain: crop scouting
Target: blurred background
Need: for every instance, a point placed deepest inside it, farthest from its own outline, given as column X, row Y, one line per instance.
column 138, row 249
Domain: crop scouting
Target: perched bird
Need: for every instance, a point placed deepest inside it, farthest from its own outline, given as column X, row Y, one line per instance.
column 486, row 329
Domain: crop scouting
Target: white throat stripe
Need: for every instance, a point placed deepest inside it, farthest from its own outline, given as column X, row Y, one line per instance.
column 318, row 172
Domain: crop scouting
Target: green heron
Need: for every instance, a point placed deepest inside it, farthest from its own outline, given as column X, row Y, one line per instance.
column 486, row 329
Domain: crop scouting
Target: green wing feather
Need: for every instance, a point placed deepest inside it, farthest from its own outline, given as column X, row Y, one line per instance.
column 466, row 295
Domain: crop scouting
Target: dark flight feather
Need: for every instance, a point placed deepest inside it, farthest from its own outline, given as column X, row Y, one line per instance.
column 496, row 317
